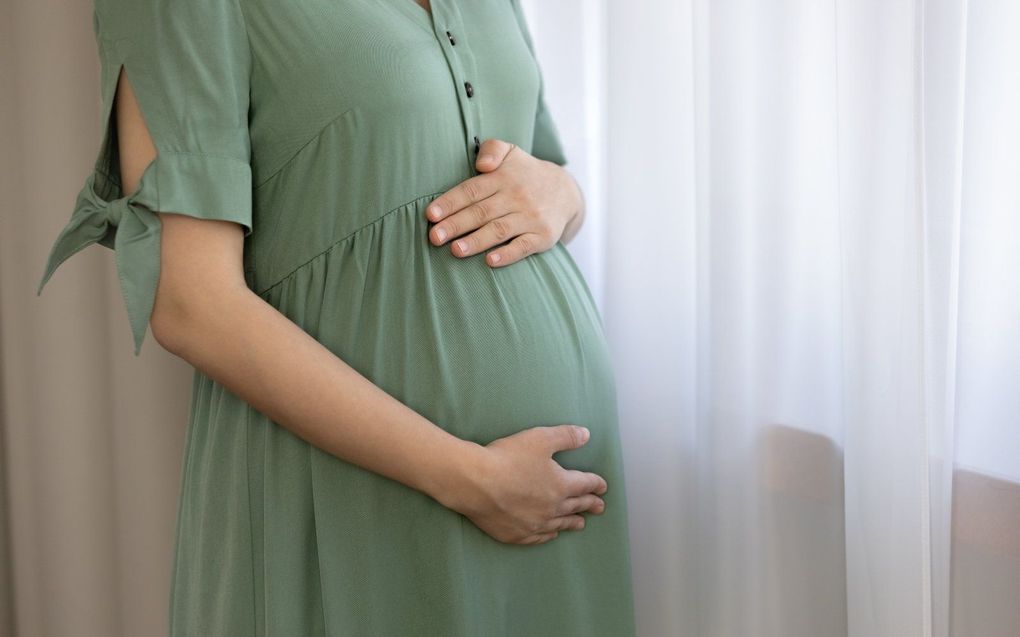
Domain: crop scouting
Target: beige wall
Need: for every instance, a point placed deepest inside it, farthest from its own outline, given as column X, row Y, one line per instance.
column 91, row 436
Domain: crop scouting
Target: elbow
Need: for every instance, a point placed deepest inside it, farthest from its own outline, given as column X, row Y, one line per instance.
column 172, row 318
column 166, row 326
column 193, row 316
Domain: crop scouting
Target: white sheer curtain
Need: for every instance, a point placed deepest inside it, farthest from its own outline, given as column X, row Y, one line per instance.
column 804, row 234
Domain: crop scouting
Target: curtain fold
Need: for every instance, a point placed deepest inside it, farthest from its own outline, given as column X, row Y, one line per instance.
column 785, row 281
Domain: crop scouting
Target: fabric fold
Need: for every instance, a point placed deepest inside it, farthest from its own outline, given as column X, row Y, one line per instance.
column 132, row 231
column 200, row 186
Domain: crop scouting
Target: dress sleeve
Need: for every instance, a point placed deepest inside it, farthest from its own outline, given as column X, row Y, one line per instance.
column 546, row 143
column 189, row 64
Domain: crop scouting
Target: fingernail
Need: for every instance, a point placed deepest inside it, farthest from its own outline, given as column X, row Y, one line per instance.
column 496, row 257
column 587, row 434
column 462, row 246
column 484, row 158
column 441, row 234
column 435, row 211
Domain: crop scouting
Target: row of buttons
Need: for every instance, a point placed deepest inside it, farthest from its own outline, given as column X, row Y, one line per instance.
column 468, row 88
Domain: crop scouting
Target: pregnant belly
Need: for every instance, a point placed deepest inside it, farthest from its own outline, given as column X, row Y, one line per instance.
column 482, row 352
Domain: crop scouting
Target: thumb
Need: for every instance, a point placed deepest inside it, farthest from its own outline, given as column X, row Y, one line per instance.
column 568, row 437
column 492, row 153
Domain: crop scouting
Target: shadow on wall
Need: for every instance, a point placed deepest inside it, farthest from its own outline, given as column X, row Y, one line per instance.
column 986, row 555
column 802, row 523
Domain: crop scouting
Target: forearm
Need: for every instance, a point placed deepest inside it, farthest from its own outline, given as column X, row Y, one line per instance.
column 245, row 344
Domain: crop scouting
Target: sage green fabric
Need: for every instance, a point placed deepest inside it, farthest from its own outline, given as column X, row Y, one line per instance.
column 324, row 129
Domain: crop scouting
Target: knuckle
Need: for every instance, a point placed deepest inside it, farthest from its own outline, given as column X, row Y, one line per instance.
column 527, row 245
column 551, row 511
column 553, row 434
column 545, row 227
column 479, row 213
column 563, row 485
column 531, row 214
column 470, row 189
column 563, row 507
column 501, row 229
column 577, row 505
column 550, row 230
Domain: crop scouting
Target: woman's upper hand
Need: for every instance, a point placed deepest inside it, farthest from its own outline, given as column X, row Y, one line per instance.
column 518, row 198
column 518, row 494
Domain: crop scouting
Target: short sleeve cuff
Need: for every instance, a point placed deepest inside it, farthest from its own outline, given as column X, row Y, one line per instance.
column 202, row 186
column 546, row 144
column 199, row 185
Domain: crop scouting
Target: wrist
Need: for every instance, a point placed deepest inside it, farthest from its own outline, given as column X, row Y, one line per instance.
column 456, row 482
column 576, row 218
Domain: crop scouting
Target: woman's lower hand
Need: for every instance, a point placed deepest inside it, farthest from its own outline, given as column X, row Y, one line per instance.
column 519, row 495
column 518, row 198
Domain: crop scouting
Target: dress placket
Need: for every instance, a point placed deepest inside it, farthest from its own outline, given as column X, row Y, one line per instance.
column 448, row 28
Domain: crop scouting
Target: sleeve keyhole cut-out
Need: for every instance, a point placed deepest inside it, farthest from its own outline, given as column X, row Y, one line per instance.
column 132, row 140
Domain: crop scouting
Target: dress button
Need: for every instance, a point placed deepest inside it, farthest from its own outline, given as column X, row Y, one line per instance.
column 477, row 144
column 450, row 37
column 470, row 89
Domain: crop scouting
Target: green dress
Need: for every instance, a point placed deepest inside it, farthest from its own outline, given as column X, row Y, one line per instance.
column 325, row 128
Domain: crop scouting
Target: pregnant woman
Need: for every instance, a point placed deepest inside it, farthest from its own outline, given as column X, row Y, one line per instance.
column 387, row 429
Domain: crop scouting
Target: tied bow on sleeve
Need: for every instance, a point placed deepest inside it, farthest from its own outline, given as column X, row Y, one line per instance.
column 132, row 230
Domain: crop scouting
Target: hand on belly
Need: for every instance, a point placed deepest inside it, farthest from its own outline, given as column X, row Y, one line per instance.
column 529, row 202
column 518, row 494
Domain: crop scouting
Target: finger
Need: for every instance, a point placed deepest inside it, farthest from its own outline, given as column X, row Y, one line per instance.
column 473, row 217
column 496, row 231
column 462, row 195
column 491, row 154
column 539, row 538
column 523, row 245
column 582, row 482
column 564, row 437
column 566, row 523
column 588, row 502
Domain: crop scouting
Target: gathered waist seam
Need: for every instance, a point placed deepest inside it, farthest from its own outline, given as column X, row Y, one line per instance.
column 336, row 243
